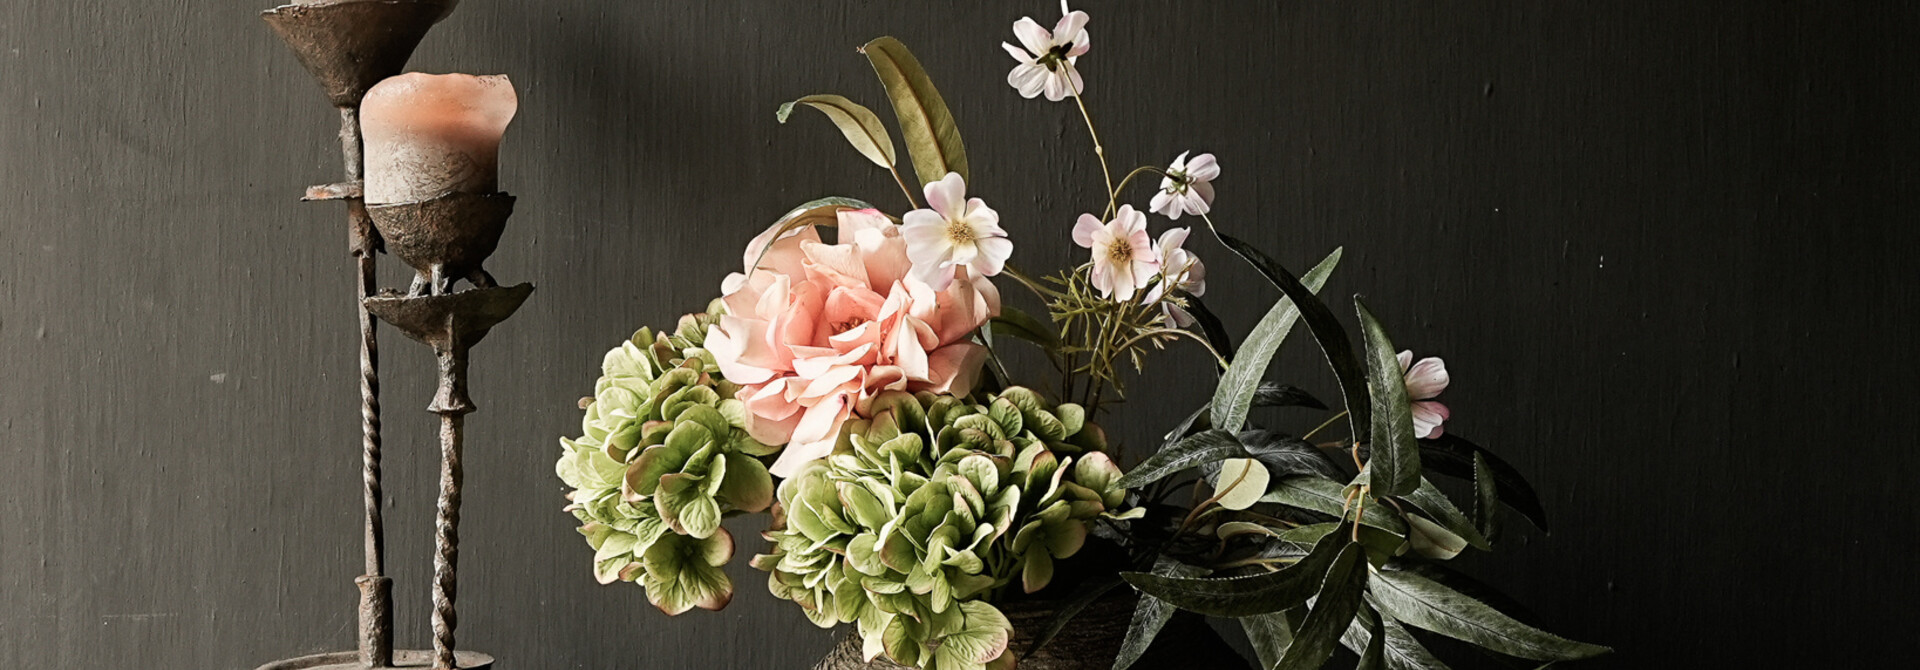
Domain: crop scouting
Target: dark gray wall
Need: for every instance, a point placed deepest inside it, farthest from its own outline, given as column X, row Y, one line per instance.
column 1664, row 248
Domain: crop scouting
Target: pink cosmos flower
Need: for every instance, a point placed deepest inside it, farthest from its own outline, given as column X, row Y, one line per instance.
column 813, row 331
column 1187, row 188
column 1046, row 64
column 954, row 232
column 1179, row 269
column 1425, row 380
column 1123, row 258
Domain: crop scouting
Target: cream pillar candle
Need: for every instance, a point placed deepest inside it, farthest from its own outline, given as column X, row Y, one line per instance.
column 430, row 135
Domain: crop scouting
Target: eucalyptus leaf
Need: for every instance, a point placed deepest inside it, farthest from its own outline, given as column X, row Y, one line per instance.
column 1246, row 596
column 1333, row 610
column 1431, row 500
column 1233, row 396
column 1326, row 330
column 1394, row 459
column 1210, row 327
column 1486, row 499
column 1151, row 614
column 1452, row 456
column 1373, row 655
column 1403, row 651
column 1200, row 449
column 1269, row 635
column 1424, row 603
column 925, row 123
column 1085, row 596
column 862, row 129
column 1326, row 497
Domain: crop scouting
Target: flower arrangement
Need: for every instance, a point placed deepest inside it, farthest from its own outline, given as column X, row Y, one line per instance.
column 854, row 391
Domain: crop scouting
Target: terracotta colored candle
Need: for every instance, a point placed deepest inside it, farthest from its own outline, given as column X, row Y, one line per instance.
column 429, row 135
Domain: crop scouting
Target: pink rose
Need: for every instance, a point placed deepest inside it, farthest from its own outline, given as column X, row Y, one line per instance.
column 814, row 330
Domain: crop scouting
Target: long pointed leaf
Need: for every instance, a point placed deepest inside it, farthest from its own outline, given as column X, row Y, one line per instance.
column 1452, row 456
column 1200, row 449
column 1394, row 460
column 1326, row 497
column 820, row 212
column 1268, row 394
column 1269, row 636
column 1151, row 615
column 1427, row 604
column 1326, row 330
column 1373, row 655
column 1233, row 396
column 860, row 126
column 1486, row 499
column 1431, row 500
column 932, row 138
column 1211, row 327
column 1246, row 596
column 1403, row 652
column 1333, row 610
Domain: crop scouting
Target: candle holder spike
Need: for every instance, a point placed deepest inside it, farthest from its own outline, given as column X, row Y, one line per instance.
column 350, row 45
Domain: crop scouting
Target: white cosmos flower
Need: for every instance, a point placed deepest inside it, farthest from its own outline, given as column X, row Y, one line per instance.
column 1123, row 258
column 1188, row 187
column 1179, row 270
column 954, row 232
column 1425, row 380
column 1046, row 64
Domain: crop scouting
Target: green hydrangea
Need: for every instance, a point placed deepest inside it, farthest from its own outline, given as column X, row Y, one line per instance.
column 661, row 460
column 930, row 507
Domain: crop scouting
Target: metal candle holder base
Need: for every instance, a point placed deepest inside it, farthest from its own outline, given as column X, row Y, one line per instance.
column 348, row 46
column 402, row 660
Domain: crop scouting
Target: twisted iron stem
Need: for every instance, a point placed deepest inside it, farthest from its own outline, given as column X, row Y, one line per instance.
column 447, row 540
column 376, row 610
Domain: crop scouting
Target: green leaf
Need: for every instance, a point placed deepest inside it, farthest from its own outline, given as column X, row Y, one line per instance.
column 1287, row 456
column 1486, row 499
column 1268, row 394
column 932, row 138
column 1452, row 456
column 684, row 572
column 1200, row 449
column 862, row 128
column 1424, row 603
column 1431, row 540
column 1151, row 614
column 1269, row 635
column 1245, row 481
column 1431, row 500
column 1394, row 457
column 1326, row 330
column 1211, row 327
column 1333, row 610
column 1373, row 656
column 983, row 639
column 1081, row 599
column 1403, row 652
column 1244, row 596
column 1325, row 497
column 748, row 487
column 1233, row 396
column 1015, row 323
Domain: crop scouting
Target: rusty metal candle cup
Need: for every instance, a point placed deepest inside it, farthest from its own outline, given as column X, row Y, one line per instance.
column 445, row 239
column 350, row 45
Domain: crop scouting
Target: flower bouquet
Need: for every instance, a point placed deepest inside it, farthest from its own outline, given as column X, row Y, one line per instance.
column 919, row 488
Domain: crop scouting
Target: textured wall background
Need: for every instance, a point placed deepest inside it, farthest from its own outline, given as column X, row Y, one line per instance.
column 1664, row 247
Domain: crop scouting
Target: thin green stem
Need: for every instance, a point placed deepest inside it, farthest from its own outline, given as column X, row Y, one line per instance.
column 1329, row 422
column 1098, row 149
column 1039, row 290
column 1176, row 332
column 1127, row 179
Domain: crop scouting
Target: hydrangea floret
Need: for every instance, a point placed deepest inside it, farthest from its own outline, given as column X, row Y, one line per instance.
column 662, row 458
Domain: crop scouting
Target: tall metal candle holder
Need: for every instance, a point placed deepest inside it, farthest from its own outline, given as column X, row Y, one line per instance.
column 348, row 46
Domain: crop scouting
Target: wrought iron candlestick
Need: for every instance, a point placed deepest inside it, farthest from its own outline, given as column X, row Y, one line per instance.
column 348, row 46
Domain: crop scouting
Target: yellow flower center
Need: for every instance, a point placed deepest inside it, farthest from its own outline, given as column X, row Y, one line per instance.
column 1119, row 252
column 958, row 232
